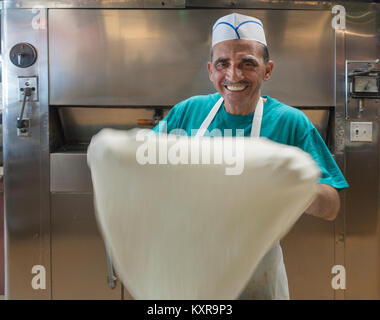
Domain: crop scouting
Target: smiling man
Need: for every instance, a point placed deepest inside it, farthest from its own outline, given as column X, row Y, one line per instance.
column 238, row 66
column 237, row 70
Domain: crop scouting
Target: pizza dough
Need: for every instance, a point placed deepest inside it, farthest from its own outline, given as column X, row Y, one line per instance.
column 191, row 231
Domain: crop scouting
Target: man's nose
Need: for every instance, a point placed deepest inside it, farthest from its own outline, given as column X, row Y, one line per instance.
column 234, row 74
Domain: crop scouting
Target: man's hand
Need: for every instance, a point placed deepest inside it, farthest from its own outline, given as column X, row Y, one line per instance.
column 326, row 203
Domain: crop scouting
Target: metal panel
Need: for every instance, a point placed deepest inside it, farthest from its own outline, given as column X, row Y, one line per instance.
column 151, row 57
column 258, row 4
column 308, row 256
column 362, row 220
column 252, row 4
column 78, row 252
column 94, row 4
column 362, row 167
column 26, row 163
column 339, row 150
column 69, row 173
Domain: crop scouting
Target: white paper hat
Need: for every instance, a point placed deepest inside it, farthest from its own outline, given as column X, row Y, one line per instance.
column 238, row 26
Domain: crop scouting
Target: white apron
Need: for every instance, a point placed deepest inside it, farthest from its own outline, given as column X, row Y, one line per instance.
column 269, row 281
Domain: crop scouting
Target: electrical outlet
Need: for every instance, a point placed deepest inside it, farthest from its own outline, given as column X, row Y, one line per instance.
column 361, row 131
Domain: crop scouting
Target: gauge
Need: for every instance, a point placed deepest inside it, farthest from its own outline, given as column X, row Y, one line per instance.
column 365, row 84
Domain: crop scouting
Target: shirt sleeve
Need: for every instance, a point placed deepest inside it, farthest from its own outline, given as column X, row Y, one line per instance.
column 313, row 143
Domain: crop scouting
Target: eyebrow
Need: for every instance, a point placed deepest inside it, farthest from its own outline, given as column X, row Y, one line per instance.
column 251, row 60
column 221, row 60
column 245, row 59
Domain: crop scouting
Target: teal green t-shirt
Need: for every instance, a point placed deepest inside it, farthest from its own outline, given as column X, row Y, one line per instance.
column 280, row 123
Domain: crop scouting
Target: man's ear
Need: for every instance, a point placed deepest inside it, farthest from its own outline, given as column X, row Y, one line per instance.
column 268, row 70
column 209, row 70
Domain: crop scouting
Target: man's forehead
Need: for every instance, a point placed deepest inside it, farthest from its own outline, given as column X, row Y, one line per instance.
column 238, row 48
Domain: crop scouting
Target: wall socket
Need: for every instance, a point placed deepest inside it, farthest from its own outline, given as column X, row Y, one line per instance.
column 361, row 132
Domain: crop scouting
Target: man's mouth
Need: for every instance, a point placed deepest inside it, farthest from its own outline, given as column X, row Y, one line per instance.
column 236, row 87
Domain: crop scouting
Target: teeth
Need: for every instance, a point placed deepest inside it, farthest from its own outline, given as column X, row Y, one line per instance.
column 236, row 87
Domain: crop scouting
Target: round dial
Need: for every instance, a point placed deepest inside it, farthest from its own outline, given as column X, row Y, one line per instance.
column 23, row 55
column 366, row 84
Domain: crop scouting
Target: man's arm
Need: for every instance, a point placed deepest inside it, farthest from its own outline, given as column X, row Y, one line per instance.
column 326, row 203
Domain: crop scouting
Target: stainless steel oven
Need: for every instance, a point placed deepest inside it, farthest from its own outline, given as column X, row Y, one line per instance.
column 124, row 64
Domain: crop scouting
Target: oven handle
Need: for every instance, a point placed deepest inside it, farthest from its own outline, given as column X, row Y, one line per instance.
column 23, row 123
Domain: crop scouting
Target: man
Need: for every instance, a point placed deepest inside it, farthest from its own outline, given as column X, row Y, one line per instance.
column 239, row 64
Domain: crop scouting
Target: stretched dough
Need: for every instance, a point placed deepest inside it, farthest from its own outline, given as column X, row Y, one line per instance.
column 191, row 231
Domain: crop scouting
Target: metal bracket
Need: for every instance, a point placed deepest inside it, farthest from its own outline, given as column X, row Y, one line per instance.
column 28, row 92
column 24, row 131
column 28, row 82
column 347, row 62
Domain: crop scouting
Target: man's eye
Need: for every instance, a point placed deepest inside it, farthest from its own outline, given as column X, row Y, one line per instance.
column 249, row 64
column 221, row 65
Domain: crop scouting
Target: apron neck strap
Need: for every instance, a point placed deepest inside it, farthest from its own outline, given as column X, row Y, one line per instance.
column 256, row 123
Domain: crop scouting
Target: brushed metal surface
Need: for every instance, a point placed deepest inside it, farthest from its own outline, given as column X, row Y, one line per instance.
column 363, row 221
column 259, row 4
column 128, row 4
column 69, row 173
column 78, row 252
column 362, row 169
column 26, row 163
column 140, row 4
column 158, row 57
column 252, row 4
column 339, row 150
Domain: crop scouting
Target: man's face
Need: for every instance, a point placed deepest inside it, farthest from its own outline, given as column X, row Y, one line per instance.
column 237, row 70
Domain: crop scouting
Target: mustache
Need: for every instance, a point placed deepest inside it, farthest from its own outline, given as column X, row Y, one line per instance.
column 229, row 83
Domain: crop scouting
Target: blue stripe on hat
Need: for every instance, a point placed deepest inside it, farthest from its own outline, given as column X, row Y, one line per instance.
column 236, row 29
column 230, row 25
column 248, row 22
